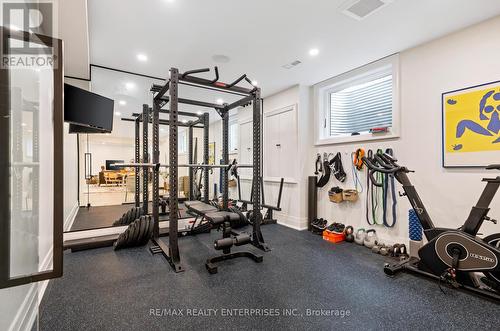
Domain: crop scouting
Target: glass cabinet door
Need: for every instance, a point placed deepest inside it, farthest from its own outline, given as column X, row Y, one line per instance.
column 31, row 160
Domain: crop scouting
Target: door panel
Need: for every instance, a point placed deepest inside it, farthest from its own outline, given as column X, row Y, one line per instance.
column 31, row 183
column 288, row 144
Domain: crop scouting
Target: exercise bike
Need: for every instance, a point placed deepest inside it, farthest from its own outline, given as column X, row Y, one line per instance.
column 453, row 256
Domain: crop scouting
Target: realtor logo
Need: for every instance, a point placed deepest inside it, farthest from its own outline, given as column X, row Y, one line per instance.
column 24, row 22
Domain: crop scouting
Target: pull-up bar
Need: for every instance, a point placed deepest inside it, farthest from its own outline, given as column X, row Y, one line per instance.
column 212, row 84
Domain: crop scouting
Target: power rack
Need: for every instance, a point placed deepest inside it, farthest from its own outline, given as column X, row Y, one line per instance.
column 151, row 116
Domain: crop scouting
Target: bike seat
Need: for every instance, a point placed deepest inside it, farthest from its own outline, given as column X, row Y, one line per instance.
column 493, row 167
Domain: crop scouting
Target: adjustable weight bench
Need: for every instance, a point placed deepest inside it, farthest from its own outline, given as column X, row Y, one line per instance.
column 199, row 209
column 229, row 239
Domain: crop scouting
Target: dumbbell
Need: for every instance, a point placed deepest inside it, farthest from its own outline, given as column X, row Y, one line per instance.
column 349, row 234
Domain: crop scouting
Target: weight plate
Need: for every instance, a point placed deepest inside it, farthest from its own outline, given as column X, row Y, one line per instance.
column 131, row 235
column 149, row 229
column 132, row 216
column 142, row 229
column 125, row 237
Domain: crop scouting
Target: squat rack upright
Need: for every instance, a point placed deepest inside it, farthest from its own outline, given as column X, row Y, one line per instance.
column 201, row 122
column 160, row 99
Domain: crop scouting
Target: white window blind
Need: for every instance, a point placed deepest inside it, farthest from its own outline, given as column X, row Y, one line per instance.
column 361, row 107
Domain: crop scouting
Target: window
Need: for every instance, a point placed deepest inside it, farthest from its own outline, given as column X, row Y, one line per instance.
column 361, row 107
column 182, row 142
column 349, row 106
column 233, row 137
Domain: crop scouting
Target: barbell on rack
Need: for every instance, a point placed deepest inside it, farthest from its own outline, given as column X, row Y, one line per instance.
column 159, row 165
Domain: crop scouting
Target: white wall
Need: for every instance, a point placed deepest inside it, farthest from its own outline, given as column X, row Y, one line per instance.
column 466, row 58
column 71, row 165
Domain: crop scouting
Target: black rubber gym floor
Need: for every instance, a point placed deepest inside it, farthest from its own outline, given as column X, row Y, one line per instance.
column 98, row 217
column 132, row 290
column 104, row 216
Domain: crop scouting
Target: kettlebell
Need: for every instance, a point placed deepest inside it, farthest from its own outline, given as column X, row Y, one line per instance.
column 359, row 238
column 370, row 238
column 349, row 234
column 384, row 250
column 376, row 248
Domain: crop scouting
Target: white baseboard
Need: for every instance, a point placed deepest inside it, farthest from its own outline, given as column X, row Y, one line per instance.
column 27, row 312
column 70, row 219
column 45, row 265
column 296, row 223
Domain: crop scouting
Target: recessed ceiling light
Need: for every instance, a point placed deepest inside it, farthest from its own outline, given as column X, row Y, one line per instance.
column 117, row 113
column 129, row 85
column 122, row 102
column 142, row 57
column 220, row 101
column 255, row 83
column 313, row 51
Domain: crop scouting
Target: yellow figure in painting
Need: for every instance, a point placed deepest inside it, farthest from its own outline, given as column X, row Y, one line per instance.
column 473, row 121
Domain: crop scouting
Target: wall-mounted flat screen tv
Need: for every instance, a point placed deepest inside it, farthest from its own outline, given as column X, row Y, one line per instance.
column 88, row 110
column 74, row 128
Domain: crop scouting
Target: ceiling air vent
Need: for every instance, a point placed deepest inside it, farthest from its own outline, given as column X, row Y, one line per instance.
column 360, row 9
column 291, row 65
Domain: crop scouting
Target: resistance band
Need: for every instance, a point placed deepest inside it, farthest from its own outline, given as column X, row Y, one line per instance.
column 356, row 157
column 389, row 185
column 373, row 194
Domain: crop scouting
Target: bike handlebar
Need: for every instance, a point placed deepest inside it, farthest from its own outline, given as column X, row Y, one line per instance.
column 387, row 169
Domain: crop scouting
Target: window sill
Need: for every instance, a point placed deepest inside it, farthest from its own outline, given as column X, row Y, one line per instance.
column 354, row 139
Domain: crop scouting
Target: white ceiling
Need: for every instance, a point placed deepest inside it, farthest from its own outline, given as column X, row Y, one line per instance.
column 259, row 36
column 262, row 35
